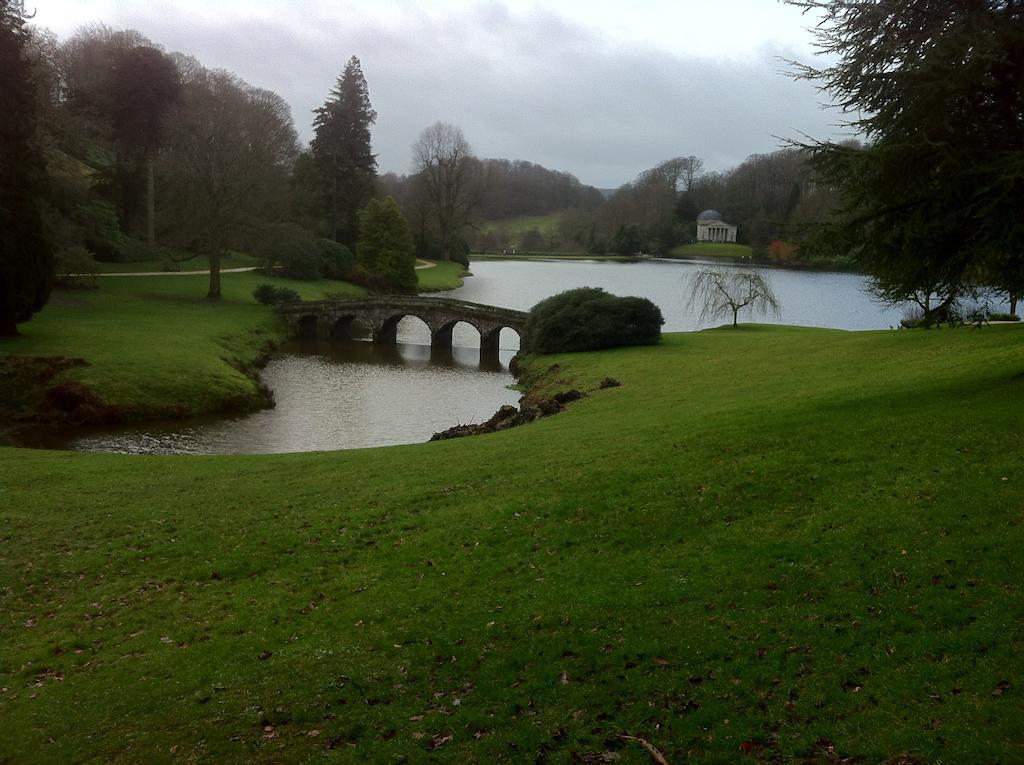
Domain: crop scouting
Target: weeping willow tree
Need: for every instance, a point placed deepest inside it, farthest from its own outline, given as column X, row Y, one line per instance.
column 720, row 294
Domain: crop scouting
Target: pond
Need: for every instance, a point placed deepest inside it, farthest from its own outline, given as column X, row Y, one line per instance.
column 333, row 395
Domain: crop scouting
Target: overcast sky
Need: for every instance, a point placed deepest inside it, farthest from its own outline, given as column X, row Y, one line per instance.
column 600, row 88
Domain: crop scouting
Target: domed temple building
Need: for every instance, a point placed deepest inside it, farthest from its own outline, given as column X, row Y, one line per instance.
column 711, row 228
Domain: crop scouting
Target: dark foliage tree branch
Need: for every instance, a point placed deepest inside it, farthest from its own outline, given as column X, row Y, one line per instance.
column 26, row 262
column 934, row 201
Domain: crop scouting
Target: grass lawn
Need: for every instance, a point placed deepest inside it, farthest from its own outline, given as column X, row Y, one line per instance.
column 767, row 545
column 711, row 250
column 154, row 345
column 443, row 275
column 231, row 260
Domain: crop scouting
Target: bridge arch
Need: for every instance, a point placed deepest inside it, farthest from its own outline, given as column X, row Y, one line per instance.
column 308, row 325
column 383, row 314
column 443, row 335
column 346, row 326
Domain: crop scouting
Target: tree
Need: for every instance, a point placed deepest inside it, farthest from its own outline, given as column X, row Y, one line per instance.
column 226, row 166
column 341, row 148
column 385, row 251
column 445, row 163
column 143, row 85
column 681, row 172
column 933, row 198
column 720, row 293
column 627, row 240
column 26, row 260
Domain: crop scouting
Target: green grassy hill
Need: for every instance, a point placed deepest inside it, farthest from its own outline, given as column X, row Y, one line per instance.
column 515, row 227
column 146, row 347
column 711, row 250
column 767, row 545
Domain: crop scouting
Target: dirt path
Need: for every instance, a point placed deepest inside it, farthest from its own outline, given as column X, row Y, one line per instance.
column 420, row 264
column 184, row 273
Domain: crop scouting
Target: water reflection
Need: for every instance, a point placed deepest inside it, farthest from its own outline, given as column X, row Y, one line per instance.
column 330, row 395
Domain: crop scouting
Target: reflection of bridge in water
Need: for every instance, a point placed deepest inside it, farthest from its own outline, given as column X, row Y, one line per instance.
column 334, row 319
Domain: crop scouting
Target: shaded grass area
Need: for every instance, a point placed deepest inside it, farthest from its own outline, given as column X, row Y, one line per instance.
column 155, row 347
column 231, row 260
column 443, row 275
column 711, row 250
column 767, row 545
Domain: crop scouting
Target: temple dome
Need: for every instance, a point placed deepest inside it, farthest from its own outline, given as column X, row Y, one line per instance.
column 709, row 215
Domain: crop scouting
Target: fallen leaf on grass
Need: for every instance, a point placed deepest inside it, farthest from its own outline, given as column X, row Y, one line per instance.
column 1001, row 687
column 439, row 740
column 593, row 756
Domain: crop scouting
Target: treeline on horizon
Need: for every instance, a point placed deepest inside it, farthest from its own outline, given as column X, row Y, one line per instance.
column 152, row 155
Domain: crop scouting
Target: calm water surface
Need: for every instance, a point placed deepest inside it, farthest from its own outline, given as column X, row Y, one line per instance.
column 329, row 395
column 333, row 395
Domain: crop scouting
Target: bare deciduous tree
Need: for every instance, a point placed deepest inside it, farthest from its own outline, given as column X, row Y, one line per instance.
column 445, row 162
column 720, row 293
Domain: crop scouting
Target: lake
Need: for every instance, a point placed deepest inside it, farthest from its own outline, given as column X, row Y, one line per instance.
column 333, row 395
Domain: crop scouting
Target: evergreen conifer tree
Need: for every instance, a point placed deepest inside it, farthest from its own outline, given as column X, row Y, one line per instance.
column 932, row 201
column 26, row 262
column 341, row 149
column 385, row 252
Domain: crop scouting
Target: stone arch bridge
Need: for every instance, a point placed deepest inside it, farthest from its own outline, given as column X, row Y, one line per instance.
column 334, row 318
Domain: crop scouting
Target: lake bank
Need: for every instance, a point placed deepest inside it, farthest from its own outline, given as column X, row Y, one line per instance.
column 734, row 548
column 151, row 347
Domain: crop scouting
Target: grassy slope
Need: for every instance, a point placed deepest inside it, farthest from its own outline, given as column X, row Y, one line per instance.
column 444, row 275
column 153, row 343
column 231, row 260
column 711, row 250
column 785, row 538
column 545, row 224
column 155, row 346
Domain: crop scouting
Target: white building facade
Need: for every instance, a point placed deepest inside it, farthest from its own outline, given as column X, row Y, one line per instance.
column 711, row 228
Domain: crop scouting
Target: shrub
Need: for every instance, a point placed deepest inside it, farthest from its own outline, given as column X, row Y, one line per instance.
column 588, row 318
column 336, row 260
column 293, row 249
column 268, row 294
column 1003, row 317
column 75, row 269
column 460, row 253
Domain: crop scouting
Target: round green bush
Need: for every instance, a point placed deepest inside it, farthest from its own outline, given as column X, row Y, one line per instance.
column 336, row 260
column 268, row 294
column 293, row 249
column 589, row 318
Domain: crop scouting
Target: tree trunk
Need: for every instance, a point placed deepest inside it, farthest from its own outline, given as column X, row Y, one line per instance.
column 334, row 209
column 150, row 202
column 735, row 313
column 214, row 293
column 1013, row 304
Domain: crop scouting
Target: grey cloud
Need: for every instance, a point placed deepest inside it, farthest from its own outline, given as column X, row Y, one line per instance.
column 534, row 87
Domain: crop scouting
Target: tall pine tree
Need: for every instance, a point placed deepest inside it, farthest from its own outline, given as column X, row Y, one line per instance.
column 341, row 148
column 26, row 263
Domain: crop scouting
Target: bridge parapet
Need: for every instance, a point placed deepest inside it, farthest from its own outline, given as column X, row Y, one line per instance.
column 334, row 318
